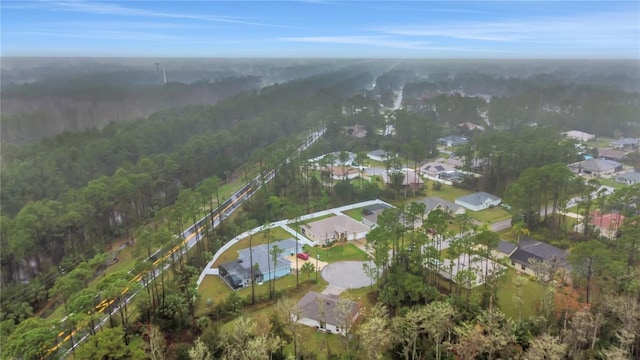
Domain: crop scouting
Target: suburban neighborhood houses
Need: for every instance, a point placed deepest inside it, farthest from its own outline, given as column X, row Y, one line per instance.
column 478, row 201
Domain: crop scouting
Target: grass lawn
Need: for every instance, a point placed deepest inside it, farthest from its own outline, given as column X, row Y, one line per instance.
column 318, row 343
column 339, row 252
column 508, row 235
column 214, row 288
column 532, row 295
column 446, row 192
column 364, row 296
column 355, row 214
column 611, row 183
column 490, row 215
column 276, row 234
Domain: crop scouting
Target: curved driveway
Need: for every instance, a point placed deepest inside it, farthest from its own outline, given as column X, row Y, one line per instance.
column 346, row 274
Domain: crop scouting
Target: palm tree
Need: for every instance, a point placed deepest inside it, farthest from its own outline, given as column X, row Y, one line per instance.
column 520, row 230
column 308, row 268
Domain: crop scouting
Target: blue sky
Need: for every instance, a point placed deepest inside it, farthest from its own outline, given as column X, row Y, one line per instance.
column 380, row 29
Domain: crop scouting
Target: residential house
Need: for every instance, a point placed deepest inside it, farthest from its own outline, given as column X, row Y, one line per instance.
column 435, row 203
column 628, row 178
column 478, row 201
column 335, row 228
column 379, row 155
column 341, row 172
column 435, row 168
column 579, row 135
column 452, row 140
column 452, row 176
column 411, row 179
column 336, row 154
column 504, row 249
column 607, row 224
column 625, row 143
column 322, row 312
column 533, row 250
column 237, row 273
column 596, row 167
column 470, row 126
column 610, row 154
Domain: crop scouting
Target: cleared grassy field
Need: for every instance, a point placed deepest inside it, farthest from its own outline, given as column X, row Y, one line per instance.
column 339, row 252
column 214, row 288
column 532, row 293
column 490, row 215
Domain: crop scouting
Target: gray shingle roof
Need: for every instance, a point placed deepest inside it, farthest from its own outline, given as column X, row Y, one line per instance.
column 633, row 175
column 454, row 139
column 506, row 247
column 478, row 198
column 433, row 202
column 599, row 165
column 530, row 248
column 309, row 306
column 626, row 141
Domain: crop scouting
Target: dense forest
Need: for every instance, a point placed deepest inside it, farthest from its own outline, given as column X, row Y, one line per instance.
column 67, row 197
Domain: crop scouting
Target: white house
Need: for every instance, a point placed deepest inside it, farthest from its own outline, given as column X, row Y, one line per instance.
column 478, row 201
column 336, row 156
column 379, row 155
column 320, row 311
column 578, row 135
column 435, row 168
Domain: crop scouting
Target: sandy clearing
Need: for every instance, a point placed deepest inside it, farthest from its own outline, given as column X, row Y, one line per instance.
column 292, row 258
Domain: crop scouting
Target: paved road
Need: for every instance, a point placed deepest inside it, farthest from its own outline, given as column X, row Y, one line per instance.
column 501, row 225
column 241, row 196
column 346, row 275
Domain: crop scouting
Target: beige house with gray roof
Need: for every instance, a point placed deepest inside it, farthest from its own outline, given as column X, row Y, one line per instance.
column 335, row 228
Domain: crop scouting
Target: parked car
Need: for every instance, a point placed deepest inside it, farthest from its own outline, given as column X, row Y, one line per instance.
column 303, row 256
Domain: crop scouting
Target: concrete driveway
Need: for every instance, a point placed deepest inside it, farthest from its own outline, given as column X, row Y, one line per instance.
column 346, row 275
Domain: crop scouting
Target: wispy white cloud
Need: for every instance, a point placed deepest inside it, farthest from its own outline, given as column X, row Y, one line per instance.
column 435, row 10
column 105, row 8
column 590, row 28
column 98, row 35
column 382, row 41
column 92, row 25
